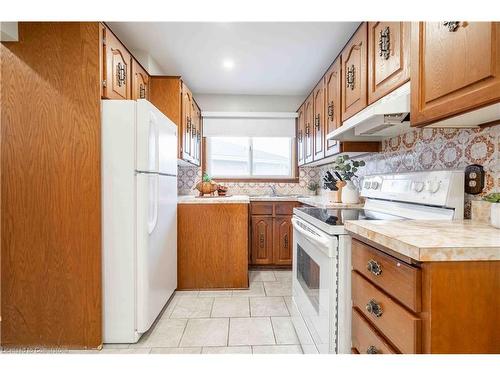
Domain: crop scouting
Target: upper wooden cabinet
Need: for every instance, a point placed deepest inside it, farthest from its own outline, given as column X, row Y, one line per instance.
column 172, row 96
column 333, row 102
column 308, row 129
column 455, row 67
column 300, row 135
column 140, row 82
column 354, row 73
column 319, row 121
column 116, row 68
column 388, row 57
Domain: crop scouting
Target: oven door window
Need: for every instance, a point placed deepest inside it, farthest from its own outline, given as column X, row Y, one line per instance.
column 308, row 276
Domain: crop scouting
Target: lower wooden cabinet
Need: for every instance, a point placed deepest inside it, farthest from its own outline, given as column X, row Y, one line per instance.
column 271, row 233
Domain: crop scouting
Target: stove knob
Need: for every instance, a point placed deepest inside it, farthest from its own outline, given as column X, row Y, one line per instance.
column 418, row 186
column 375, row 185
column 432, row 186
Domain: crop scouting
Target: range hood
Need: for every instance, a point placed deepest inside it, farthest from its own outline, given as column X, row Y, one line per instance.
column 387, row 117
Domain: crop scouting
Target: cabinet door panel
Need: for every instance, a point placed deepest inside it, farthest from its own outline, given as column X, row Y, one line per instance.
column 283, row 241
column 455, row 67
column 300, row 135
column 140, row 82
column 319, row 121
column 388, row 57
column 333, row 104
column 354, row 74
column 117, row 68
column 308, row 129
column 187, row 117
column 262, row 240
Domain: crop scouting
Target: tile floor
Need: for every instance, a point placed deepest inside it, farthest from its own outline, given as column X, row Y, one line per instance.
column 255, row 321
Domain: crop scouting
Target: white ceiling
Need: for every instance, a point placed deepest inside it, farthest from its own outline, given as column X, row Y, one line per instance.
column 276, row 58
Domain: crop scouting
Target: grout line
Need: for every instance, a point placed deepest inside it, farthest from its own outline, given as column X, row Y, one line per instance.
column 183, row 332
column 228, row 330
column 274, row 334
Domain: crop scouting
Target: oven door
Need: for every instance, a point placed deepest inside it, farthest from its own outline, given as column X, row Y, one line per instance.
column 315, row 261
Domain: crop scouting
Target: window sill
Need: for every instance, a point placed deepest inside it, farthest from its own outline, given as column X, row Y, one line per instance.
column 276, row 180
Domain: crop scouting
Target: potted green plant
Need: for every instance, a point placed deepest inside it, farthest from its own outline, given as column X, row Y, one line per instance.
column 313, row 187
column 346, row 169
column 494, row 199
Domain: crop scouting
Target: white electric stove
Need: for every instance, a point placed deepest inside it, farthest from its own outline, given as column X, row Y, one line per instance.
column 322, row 248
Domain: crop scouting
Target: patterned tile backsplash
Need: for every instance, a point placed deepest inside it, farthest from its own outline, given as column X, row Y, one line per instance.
column 417, row 150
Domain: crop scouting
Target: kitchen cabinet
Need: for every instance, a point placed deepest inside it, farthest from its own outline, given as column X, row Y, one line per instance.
column 388, row 57
column 333, row 102
column 271, row 233
column 116, row 82
column 308, row 131
column 404, row 306
column 300, row 136
column 354, row 73
column 140, row 82
column 455, row 68
column 173, row 97
column 319, row 121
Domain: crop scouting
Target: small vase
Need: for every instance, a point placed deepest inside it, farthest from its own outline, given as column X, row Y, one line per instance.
column 350, row 193
column 333, row 196
column 495, row 215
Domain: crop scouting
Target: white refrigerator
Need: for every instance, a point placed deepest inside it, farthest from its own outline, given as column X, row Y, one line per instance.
column 139, row 218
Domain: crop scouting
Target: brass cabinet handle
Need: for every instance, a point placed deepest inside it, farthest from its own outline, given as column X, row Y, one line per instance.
column 317, row 121
column 372, row 350
column 384, row 43
column 121, row 74
column 452, row 25
column 188, row 124
column 286, row 241
column 350, row 77
column 198, row 135
column 299, row 136
column 308, row 131
column 374, row 308
column 330, row 110
column 142, row 91
column 261, row 240
column 374, row 267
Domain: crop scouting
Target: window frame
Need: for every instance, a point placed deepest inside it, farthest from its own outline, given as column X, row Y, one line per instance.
column 294, row 178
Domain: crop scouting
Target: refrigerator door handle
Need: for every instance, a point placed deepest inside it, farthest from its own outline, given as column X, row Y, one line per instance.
column 153, row 143
column 153, row 194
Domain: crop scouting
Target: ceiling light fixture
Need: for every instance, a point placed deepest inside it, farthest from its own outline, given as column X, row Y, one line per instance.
column 228, row 63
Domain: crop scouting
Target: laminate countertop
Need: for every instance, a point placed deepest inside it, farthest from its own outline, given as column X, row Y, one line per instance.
column 232, row 199
column 432, row 240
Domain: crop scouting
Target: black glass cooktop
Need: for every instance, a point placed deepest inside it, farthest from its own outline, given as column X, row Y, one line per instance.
column 338, row 216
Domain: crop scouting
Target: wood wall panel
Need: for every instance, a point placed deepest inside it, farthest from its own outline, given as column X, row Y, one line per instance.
column 51, row 187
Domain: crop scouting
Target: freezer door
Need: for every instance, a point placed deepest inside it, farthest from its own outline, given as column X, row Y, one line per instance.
column 156, row 245
column 167, row 146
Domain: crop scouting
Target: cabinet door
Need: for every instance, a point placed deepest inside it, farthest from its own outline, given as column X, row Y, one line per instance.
column 140, row 82
column 333, row 103
column 196, row 134
column 455, row 67
column 116, row 84
column 388, row 57
column 283, row 241
column 187, row 122
column 319, row 121
column 262, row 240
column 308, row 131
column 300, row 135
column 354, row 74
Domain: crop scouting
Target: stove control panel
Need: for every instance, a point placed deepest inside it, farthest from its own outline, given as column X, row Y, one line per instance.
column 437, row 188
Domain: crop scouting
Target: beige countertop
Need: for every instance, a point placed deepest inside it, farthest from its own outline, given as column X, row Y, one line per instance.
column 432, row 240
column 194, row 199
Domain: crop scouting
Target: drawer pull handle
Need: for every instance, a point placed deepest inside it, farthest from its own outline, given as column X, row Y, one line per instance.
column 374, row 308
column 374, row 267
column 371, row 350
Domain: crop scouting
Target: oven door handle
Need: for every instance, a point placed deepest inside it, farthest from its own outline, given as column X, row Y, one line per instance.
column 321, row 240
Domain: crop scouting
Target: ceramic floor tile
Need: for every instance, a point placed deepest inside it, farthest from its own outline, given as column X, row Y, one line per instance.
column 190, row 293
column 166, row 334
column 261, row 276
column 126, row 351
column 283, row 275
column 215, row 293
column 250, row 331
column 192, row 307
column 176, row 351
column 277, row 349
column 228, row 307
column 227, row 350
column 256, row 290
column 205, row 332
column 268, row 306
column 170, row 306
column 115, row 346
column 284, row 330
column 278, row 288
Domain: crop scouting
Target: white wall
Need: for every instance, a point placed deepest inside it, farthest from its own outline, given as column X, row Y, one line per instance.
column 248, row 103
column 148, row 62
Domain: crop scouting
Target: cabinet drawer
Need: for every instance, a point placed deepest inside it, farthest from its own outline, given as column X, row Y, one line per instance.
column 400, row 326
column 284, row 208
column 365, row 339
column 259, row 208
column 397, row 278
